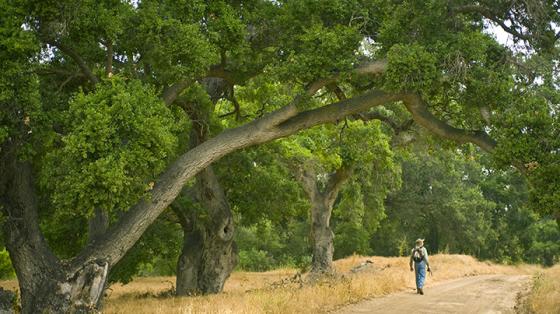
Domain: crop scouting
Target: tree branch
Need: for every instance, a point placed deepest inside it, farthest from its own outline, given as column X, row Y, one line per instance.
column 306, row 175
column 417, row 107
column 172, row 92
column 378, row 116
column 370, row 68
column 487, row 13
column 333, row 87
column 78, row 59
column 280, row 123
column 335, row 183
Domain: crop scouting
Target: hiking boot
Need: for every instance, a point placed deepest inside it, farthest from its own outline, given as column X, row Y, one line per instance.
column 421, row 291
column 417, row 290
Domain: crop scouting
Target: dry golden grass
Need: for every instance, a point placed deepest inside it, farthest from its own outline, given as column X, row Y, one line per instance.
column 545, row 295
column 252, row 292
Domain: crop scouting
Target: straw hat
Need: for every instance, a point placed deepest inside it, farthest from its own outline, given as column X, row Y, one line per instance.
column 420, row 241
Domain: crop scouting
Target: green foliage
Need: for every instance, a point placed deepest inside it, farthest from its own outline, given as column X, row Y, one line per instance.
column 255, row 260
column 322, row 51
column 411, row 68
column 439, row 201
column 268, row 245
column 248, row 177
column 350, row 228
column 155, row 254
column 6, row 269
column 119, row 138
column 19, row 103
column 528, row 133
column 177, row 48
column 102, row 146
column 319, row 38
column 545, row 248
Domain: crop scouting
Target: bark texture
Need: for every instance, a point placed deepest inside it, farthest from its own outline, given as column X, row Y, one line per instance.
column 322, row 202
column 208, row 255
column 47, row 285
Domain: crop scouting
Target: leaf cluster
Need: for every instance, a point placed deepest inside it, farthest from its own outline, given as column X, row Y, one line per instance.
column 118, row 139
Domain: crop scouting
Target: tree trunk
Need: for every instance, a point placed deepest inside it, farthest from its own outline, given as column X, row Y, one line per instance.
column 189, row 263
column 46, row 283
column 209, row 254
column 322, row 202
column 97, row 225
column 322, row 237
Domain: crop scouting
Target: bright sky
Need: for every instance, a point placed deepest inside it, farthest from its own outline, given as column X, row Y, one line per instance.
column 501, row 36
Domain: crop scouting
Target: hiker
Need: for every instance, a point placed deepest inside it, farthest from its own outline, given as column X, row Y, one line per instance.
column 419, row 256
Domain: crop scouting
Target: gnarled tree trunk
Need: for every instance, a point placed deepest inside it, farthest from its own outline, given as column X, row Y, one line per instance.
column 209, row 255
column 322, row 202
column 50, row 285
column 47, row 284
column 322, row 236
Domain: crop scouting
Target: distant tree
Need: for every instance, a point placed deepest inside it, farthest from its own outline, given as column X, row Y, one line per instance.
column 439, row 201
column 325, row 160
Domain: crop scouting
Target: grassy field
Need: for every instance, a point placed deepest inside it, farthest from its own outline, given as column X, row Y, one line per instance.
column 545, row 295
column 264, row 292
column 276, row 292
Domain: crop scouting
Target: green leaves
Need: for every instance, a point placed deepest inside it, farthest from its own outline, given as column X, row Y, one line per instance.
column 410, row 68
column 119, row 138
column 176, row 50
column 320, row 52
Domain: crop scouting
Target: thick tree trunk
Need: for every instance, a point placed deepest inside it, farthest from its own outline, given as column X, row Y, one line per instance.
column 189, row 263
column 322, row 237
column 209, row 254
column 47, row 284
column 219, row 254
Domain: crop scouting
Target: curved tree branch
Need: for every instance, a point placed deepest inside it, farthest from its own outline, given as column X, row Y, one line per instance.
column 172, row 92
column 281, row 123
column 425, row 118
column 78, row 59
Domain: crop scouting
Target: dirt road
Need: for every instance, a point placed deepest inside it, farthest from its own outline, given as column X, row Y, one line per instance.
column 479, row 294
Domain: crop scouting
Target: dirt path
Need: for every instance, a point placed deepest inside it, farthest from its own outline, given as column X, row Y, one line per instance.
column 479, row 294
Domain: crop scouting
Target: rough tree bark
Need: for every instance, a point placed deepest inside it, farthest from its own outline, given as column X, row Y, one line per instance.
column 47, row 284
column 209, row 254
column 97, row 224
column 322, row 202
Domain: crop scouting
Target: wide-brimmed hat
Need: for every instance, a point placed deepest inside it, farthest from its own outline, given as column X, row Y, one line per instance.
column 419, row 241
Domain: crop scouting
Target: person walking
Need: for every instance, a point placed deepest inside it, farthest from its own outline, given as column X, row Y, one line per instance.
column 419, row 257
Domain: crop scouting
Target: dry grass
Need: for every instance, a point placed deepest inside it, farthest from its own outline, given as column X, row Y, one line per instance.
column 545, row 295
column 252, row 292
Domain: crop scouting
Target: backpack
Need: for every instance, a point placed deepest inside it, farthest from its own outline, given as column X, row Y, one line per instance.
column 418, row 254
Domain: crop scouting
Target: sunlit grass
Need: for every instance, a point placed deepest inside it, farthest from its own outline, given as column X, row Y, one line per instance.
column 545, row 295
